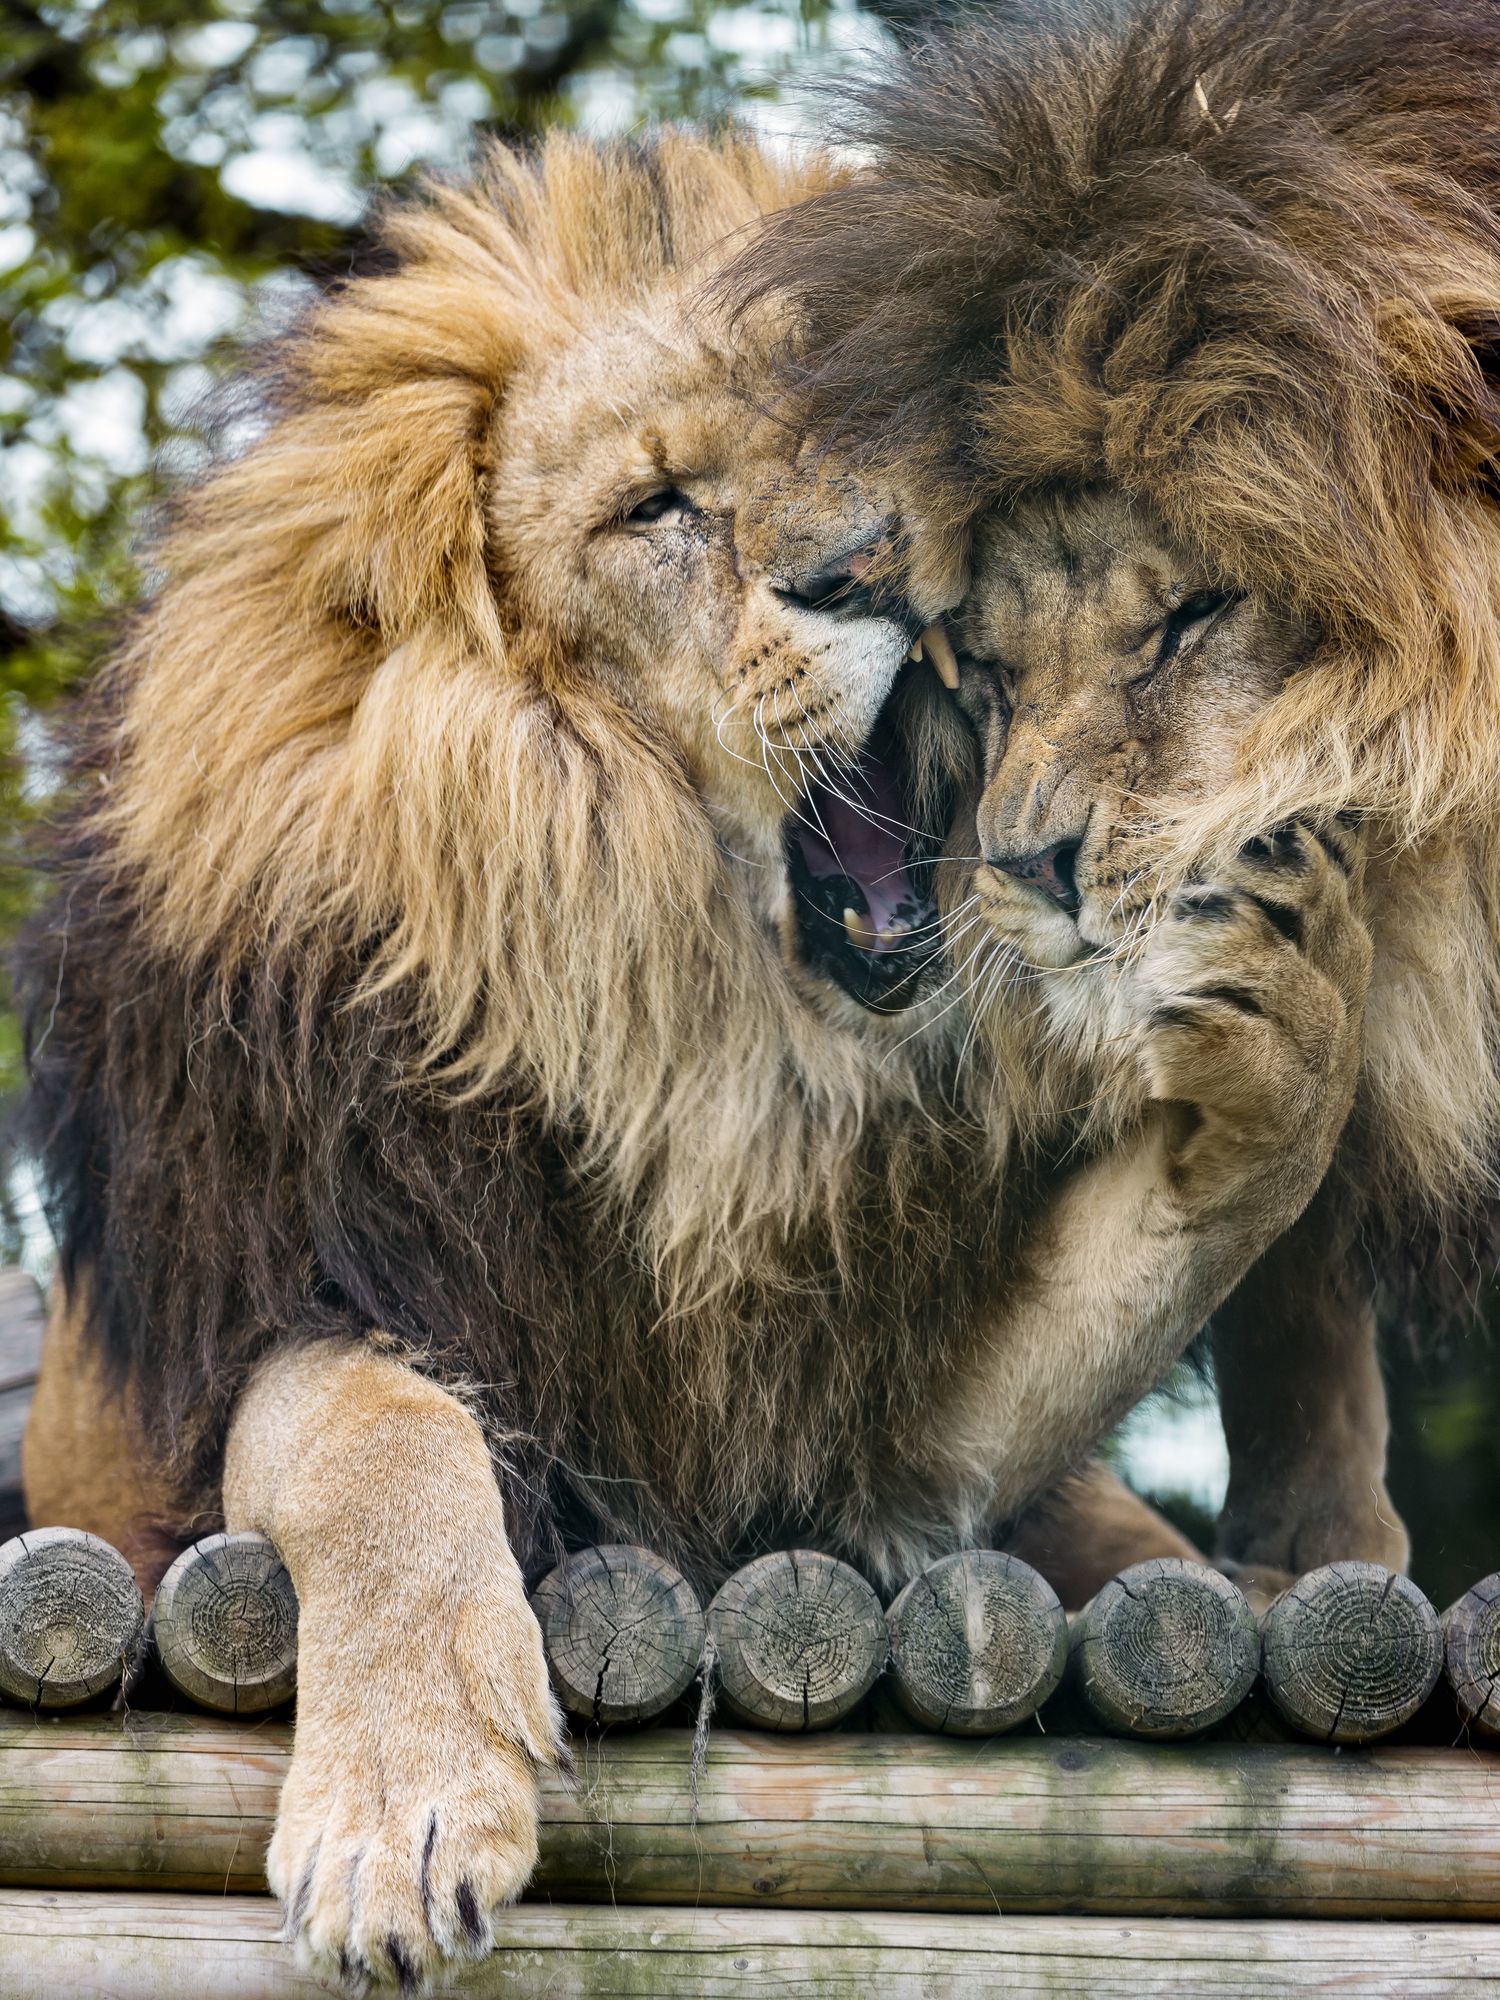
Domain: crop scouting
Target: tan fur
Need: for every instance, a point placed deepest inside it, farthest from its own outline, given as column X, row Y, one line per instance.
column 1085, row 731
column 392, row 1844
column 1088, row 1529
column 85, row 1460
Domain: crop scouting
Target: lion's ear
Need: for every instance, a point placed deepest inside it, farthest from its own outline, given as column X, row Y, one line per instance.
column 1465, row 396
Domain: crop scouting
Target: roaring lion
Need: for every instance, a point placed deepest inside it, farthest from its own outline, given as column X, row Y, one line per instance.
column 1199, row 308
column 488, row 1022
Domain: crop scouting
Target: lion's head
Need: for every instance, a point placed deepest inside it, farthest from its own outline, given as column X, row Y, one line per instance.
column 529, row 664
column 1201, row 304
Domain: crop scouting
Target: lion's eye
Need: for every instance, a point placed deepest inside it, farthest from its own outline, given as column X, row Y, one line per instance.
column 667, row 503
column 1195, row 613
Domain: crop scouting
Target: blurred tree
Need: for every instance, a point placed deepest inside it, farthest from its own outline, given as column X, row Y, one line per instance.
column 173, row 172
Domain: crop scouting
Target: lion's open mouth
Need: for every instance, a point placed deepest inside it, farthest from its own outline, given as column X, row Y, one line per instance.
column 861, row 872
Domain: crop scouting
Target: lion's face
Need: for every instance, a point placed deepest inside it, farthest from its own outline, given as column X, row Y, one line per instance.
column 749, row 602
column 1106, row 673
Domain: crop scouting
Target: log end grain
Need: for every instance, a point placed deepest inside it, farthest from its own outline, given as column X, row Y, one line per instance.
column 978, row 1642
column 71, row 1617
column 224, row 1623
column 623, row 1633
column 1166, row 1649
column 1350, row 1652
column 799, row 1640
column 1471, row 1656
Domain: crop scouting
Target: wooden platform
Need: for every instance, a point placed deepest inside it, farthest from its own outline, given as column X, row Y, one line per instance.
column 78, row 1945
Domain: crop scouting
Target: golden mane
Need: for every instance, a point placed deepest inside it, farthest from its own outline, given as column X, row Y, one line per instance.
column 337, row 724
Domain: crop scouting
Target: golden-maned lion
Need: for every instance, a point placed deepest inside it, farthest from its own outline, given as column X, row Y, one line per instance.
column 1202, row 305
column 486, row 1023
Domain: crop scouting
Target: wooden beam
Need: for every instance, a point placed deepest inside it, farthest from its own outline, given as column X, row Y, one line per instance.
column 1166, row 1649
column 798, row 1638
column 1088, row 1825
column 71, row 1617
column 224, row 1625
column 623, row 1633
column 1350, row 1652
column 978, row 1642
column 78, row 1946
column 1471, row 1656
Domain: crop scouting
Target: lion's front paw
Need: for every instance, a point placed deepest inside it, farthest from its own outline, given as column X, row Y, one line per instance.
column 410, row 1810
column 1252, row 988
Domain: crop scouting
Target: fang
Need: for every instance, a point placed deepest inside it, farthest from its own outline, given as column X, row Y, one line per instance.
column 940, row 651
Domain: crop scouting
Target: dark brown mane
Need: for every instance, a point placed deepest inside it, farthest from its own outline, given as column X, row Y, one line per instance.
column 1171, row 244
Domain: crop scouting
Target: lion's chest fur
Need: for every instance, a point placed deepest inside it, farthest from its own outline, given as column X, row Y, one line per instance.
column 234, row 1168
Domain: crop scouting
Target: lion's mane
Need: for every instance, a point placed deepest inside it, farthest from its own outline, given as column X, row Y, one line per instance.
column 390, row 985
column 1241, row 261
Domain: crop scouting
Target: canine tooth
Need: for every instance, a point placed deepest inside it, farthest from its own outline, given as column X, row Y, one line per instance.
column 860, row 932
column 940, row 652
column 916, row 650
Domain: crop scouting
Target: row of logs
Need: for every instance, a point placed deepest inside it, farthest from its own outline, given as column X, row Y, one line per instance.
column 973, row 1646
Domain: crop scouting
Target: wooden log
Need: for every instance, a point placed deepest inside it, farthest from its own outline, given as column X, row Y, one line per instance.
column 1471, row 1656
column 978, row 1642
column 138, row 1947
column 623, row 1632
column 1166, row 1649
column 799, row 1639
column 224, row 1625
column 70, row 1617
column 1350, row 1652
column 1099, row 1826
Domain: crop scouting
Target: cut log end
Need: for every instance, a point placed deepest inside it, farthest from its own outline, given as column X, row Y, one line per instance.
column 978, row 1642
column 224, row 1624
column 799, row 1639
column 1166, row 1649
column 1350, row 1652
column 623, row 1633
column 71, row 1617
column 1471, row 1656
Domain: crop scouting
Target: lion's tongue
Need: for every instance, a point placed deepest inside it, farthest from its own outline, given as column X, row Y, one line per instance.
column 837, row 839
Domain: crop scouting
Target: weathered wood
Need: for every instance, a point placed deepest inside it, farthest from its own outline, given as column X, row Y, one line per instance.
column 799, row 1640
column 70, row 1617
column 1350, row 1652
column 978, row 1642
column 1166, row 1649
column 224, row 1625
column 623, row 1632
column 83, row 1946
column 1471, row 1656
column 1088, row 1825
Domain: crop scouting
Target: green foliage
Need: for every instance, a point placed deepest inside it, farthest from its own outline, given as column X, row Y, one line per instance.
column 172, row 173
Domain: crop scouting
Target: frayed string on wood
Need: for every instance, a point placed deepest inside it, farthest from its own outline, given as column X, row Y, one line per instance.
column 703, row 1719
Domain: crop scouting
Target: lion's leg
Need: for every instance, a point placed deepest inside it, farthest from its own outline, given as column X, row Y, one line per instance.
column 85, row 1461
column 423, row 1712
column 1252, row 989
column 1088, row 1528
column 1303, row 1403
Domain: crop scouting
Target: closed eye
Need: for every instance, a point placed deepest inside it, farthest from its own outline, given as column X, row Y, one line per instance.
column 665, row 504
column 1190, row 619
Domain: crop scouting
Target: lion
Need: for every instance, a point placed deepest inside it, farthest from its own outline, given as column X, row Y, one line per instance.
column 490, row 1062
column 1192, row 313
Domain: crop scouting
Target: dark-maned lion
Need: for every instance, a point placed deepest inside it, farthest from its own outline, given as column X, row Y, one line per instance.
column 485, row 1022
column 1202, row 305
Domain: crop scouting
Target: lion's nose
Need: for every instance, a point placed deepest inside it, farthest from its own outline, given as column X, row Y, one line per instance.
column 854, row 581
column 1053, row 869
